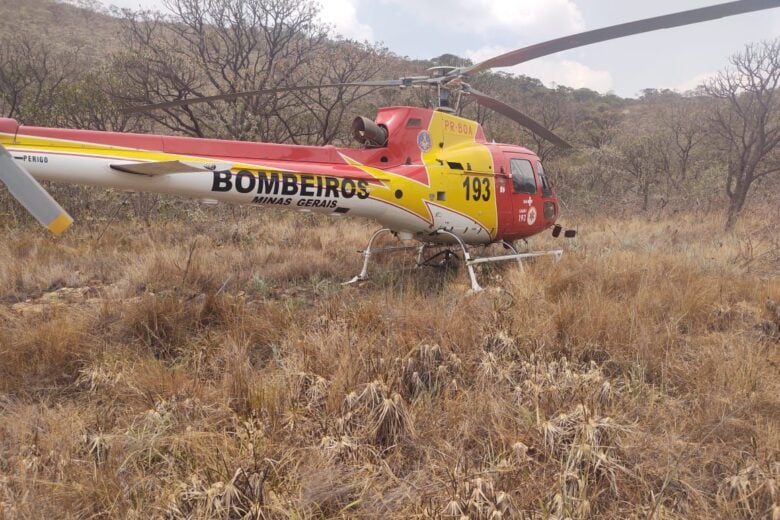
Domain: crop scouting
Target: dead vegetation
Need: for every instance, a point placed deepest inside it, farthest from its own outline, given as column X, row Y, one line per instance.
column 215, row 369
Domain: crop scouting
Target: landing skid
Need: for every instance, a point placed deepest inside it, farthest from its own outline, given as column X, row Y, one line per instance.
column 447, row 255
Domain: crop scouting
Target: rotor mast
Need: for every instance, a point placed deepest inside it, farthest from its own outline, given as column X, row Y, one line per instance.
column 440, row 76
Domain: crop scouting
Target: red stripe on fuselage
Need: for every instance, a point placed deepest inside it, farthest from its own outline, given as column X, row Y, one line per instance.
column 235, row 151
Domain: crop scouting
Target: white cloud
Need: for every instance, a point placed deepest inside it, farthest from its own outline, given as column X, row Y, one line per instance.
column 551, row 70
column 342, row 16
column 484, row 16
column 694, row 82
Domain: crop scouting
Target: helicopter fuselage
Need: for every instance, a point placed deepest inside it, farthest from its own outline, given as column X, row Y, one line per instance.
column 435, row 172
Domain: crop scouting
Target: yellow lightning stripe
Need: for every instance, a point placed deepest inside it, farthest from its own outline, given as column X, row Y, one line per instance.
column 40, row 144
column 413, row 194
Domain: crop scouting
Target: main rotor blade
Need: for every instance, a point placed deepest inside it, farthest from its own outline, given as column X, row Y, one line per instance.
column 249, row 93
column 668, row 21
column 31, row 195
column 516, row 116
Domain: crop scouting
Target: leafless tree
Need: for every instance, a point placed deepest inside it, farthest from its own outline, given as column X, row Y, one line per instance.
column 595, row 124
column 553, row 110
column 684, row 119
column 209, row 47
column 676, row 125
column 325, row 110
column 746, row 120
column 31, row 75
column 640, row 150
column 87, row 103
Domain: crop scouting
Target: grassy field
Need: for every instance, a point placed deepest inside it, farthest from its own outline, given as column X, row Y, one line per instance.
column 216, row 368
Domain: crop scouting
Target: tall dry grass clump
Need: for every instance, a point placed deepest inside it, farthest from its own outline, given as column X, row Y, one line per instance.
column 219, row 370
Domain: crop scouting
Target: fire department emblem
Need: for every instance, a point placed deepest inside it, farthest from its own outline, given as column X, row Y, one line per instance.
column 424, row 141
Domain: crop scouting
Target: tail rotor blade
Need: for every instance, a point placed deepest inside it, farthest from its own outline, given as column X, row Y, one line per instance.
column 31, row 195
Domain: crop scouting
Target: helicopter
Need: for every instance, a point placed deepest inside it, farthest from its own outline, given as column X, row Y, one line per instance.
column 424, row 174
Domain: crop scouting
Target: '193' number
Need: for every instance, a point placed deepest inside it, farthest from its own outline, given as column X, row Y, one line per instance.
column 477, row 188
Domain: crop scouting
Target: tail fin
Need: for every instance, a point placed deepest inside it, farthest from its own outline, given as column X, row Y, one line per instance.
column 31, row 195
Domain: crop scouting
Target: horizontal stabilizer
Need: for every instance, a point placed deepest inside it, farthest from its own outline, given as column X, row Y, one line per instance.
column 167, row 167
column 31, row 195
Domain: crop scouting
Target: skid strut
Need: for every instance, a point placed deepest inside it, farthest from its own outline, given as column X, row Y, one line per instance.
column 467, row 259
column 370, row 251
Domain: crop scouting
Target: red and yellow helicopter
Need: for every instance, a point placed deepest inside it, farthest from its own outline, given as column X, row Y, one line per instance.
column 424, row 174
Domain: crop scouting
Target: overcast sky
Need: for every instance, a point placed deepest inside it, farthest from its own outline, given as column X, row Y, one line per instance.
column 675, row 58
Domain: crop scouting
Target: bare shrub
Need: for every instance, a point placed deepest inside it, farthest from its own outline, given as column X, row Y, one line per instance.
column 376, row 415
column 427, row 369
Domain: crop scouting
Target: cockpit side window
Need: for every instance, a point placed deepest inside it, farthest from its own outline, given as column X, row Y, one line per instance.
column 523, row 179
column 546, row 184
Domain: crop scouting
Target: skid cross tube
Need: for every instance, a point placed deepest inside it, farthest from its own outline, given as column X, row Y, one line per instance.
column 519, row 256
column 470, row 263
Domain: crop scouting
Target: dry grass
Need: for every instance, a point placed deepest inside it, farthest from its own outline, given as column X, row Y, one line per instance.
column 205, row 369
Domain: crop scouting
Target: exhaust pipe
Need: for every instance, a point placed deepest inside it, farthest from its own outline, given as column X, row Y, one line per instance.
column 369, row 133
